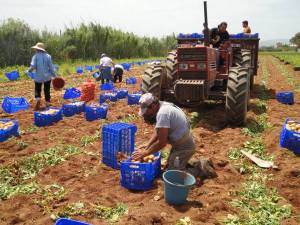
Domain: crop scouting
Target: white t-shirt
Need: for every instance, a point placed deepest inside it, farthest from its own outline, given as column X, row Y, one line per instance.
column 105, row 61
column 119, row 66
column 172, row 117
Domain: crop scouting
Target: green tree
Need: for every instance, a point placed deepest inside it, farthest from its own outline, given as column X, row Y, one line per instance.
column 296, row 40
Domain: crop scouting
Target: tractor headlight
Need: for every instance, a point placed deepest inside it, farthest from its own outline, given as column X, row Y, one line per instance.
column 183, row 66
column 201, row 66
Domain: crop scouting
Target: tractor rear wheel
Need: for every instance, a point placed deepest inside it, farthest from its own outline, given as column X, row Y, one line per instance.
column 237, row 96
column 171, row 67
column 152, row 80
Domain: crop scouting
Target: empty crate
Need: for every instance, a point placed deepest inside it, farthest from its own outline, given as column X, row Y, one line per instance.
column 117, row 138
column 286, row 97
column 11, row 105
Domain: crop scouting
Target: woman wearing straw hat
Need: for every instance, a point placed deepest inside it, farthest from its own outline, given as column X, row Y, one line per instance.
column 42, row 63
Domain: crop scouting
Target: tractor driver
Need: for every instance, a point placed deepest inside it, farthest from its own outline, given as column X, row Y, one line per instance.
column 219, row 35
column 171, row 126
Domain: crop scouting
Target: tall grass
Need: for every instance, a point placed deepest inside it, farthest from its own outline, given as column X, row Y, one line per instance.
column 85, row 42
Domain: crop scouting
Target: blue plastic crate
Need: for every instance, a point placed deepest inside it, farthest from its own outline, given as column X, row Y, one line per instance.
column 112, row 96
column 12, row 130
column 107, row 86
column 290, row 139
column 286, row 97
column 88, row 68
column 117, row 137
column 121, row 93
column 73, row 108
column 79, row 70
column 13, row 75
column 94, row 112
column 133, row 99
column 140, row 176
column 42, row 119
column 12, row 105
column 71, row 93
column 131, row 80
column 65, row 221
column 126, row 66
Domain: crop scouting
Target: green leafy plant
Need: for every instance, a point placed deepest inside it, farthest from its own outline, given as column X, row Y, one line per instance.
column 14, row 178
column 112, row 214
column 86, row 140
column 50, row 195
column 259, row 205
column 22, row 144
column 74, row 209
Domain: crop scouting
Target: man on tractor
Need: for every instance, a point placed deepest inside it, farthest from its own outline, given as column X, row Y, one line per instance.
column 219, row 35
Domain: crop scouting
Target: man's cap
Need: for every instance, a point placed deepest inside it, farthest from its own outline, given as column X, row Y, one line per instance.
column 145, row 101
column 103, row 54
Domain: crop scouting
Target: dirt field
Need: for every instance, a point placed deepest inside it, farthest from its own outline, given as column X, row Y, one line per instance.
column 87, row 181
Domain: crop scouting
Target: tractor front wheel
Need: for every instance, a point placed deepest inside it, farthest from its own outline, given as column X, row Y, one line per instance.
column 237, row 96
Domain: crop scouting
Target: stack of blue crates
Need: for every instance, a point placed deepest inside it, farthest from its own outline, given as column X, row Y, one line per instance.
column 117, row 137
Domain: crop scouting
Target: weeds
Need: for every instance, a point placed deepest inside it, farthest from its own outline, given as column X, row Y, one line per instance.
column 194, row 119
column 13, row 177
column 184, row 221
column 74, row 209
column 129, row 118
column 112, row 214
column 258, row 205
column 22, row 144
column 50, row 195
column 86, row 140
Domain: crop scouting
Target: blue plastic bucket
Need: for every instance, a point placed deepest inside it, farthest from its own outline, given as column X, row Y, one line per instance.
column 177, row 186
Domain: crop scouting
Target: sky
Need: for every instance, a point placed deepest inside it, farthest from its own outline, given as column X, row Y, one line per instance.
column 272, row 19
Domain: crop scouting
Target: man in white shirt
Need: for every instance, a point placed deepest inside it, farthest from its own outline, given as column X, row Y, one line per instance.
column 106, row 65
column 171, row 127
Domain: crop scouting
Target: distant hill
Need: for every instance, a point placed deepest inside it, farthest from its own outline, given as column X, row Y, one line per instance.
column 273, row 42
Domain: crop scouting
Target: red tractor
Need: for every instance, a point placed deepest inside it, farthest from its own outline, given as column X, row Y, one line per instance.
column 191, row 75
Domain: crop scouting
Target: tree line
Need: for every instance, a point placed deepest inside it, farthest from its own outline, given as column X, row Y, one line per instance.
column 85, row 41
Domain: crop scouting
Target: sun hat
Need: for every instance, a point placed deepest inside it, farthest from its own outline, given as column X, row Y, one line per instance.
column 145, row 101
column 39, row 46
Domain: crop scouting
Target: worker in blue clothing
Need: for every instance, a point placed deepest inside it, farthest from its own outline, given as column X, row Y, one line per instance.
column 42, row 63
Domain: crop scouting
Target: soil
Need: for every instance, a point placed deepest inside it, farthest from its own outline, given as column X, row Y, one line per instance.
column 88, row 181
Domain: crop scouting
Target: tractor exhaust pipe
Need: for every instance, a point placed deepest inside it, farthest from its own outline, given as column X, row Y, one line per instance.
column 206, row 30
